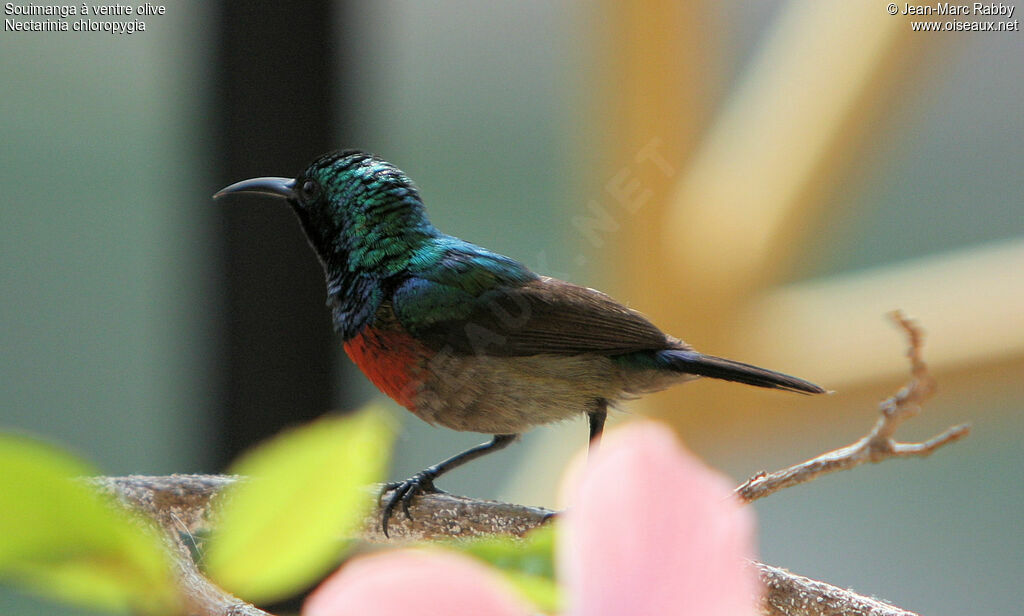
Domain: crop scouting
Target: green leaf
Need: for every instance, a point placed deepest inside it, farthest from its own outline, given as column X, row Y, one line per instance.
column 63, row 540
column 527, row 563
column 304, row 492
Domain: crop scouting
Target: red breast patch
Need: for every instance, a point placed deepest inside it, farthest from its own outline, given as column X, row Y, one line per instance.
column 387, row 358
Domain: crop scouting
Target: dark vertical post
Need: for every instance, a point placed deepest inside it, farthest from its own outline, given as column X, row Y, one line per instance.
column 275, row 79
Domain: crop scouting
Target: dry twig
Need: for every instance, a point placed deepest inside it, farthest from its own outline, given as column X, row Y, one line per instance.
column 879, row 444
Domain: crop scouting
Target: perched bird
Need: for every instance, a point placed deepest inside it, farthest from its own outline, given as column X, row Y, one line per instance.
column 466, row 338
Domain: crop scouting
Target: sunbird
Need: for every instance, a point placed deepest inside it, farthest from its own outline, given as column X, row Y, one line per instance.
column 466, row 338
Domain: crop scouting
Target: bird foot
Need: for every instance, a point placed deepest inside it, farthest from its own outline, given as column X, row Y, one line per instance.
column 404, row 491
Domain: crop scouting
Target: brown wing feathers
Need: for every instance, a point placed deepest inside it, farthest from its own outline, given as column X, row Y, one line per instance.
column 549, row 316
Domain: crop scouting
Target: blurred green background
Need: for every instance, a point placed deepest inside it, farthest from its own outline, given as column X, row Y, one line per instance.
column 117, row 312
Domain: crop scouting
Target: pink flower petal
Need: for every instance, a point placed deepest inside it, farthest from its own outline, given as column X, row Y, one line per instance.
column 421, row 582
column 651, row 530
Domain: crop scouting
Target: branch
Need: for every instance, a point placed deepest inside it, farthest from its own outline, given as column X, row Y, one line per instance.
column 878, row 444
column 444, row 516
column 788, row 594
column 183, row 504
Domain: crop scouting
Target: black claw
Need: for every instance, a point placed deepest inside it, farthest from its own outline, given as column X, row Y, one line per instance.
column 403, row 492
column 405, row 502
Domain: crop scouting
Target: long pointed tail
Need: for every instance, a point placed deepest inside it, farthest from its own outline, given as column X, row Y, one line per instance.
column 692, row 362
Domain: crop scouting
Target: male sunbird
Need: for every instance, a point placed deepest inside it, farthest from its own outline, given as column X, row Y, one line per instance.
column 466, row 338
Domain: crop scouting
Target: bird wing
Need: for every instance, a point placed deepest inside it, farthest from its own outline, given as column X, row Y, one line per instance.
column 494, row 314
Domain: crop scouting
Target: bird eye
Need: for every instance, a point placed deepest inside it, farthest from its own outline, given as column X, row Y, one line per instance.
column 310, row 190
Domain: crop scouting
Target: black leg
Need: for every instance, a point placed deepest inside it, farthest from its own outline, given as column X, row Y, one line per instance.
column 597, row 417
column 423, row 481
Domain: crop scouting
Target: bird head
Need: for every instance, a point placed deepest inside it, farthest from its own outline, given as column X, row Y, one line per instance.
column 360, row 213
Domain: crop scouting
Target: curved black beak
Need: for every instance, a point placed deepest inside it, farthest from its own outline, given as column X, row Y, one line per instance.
column 277, row 187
